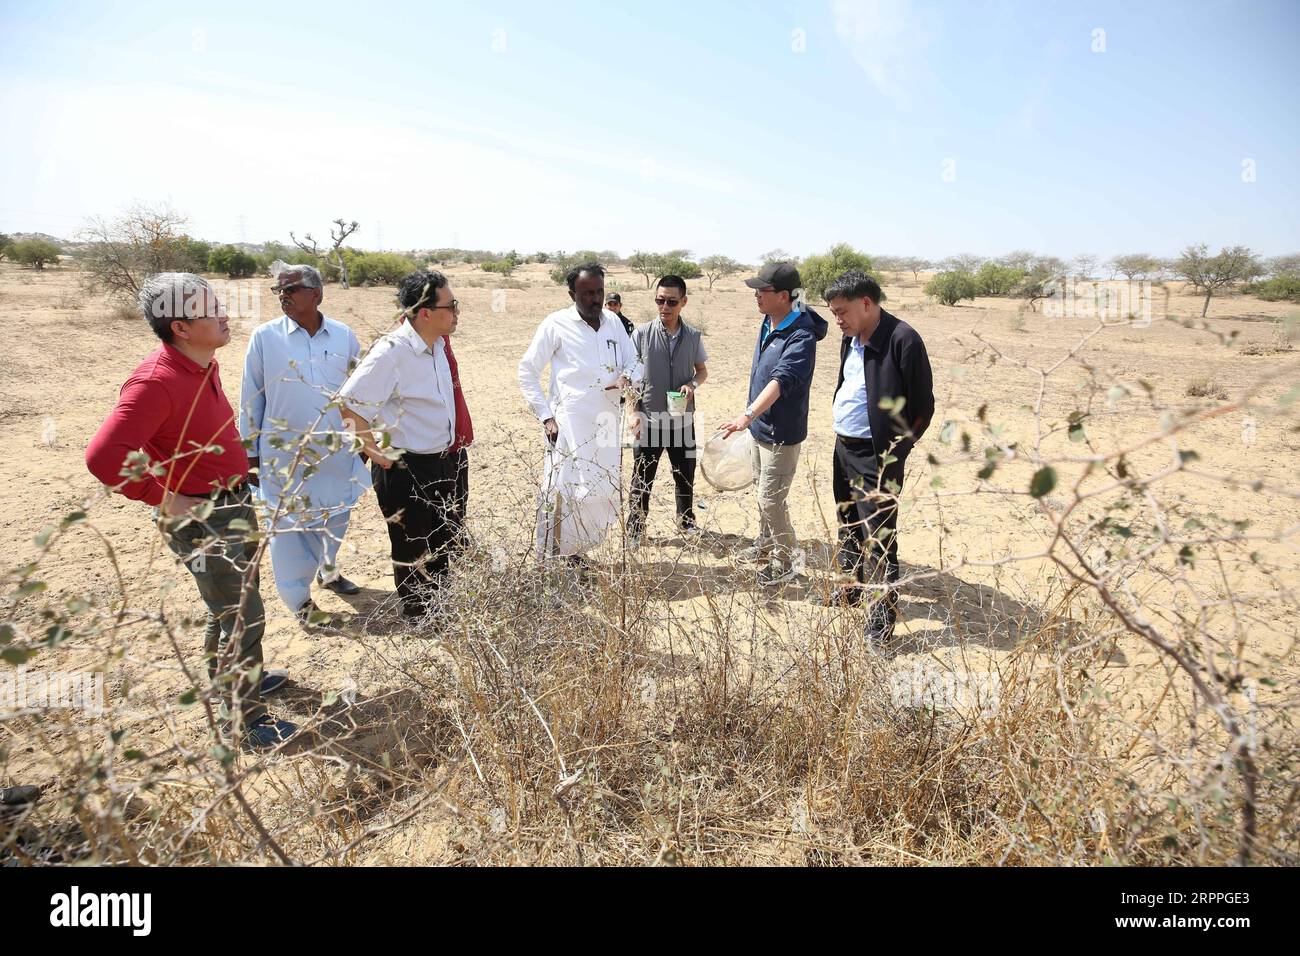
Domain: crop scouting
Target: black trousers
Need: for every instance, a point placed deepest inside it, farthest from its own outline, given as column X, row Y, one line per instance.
column 424, row 511
column 645, row 465
column 866, row 511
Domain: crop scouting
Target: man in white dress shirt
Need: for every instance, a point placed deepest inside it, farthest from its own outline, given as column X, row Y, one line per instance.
column 592, row 361
column 308, row 477
column 403, row 389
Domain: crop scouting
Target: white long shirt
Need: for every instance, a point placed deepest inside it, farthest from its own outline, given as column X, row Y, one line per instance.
column 579, row 498
column 403, row 387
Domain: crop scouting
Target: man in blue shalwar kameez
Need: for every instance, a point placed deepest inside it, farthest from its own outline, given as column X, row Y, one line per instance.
column 309, row 477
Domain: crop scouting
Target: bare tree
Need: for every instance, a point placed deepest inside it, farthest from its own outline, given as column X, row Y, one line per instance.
column 1284, row 265
column 1208, row 274
column 1136, row 265
column 1021, row 259
column 914, row 265
column 717, row 267
column 963, row 262
column 775, row 255
column 1085, row 264
column 142, row 241
column 337, row 237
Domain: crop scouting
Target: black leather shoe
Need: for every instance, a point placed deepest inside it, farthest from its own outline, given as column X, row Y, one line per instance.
column 339, row 585
column 304, row 614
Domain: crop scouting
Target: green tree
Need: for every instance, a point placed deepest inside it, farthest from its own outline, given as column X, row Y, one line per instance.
column 1209, row 274
column 1042, row 281
column 232, row 262
column 993, row 279
column 5, row 242
column 679, row 266
column 951, row 287
column 646, row 264
column 718, row 267
column 195, row 254
column 564, row 261
column 34, row 252
column 818, row 272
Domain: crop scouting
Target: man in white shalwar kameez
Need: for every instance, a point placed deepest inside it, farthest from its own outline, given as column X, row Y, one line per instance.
column 592, row 361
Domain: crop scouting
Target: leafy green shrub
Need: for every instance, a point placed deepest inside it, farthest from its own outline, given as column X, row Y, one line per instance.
column 1282, row 288
column 34, row 252
column 231, row 261
column 993, row 279
column 503, row 266
column 951, row 287
column 379, row 268
column 818, row 272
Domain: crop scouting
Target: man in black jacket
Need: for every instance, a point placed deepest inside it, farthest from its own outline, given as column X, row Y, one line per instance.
column 884, row 400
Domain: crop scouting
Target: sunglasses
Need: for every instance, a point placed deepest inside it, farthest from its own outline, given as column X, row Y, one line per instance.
column 286, row 289
column 454, row 305
column 758, row 292
column 671, row 303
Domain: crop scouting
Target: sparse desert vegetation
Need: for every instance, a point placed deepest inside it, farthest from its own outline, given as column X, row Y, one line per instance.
column 1098, row 660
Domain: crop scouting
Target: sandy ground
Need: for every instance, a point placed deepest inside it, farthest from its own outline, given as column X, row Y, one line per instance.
column 67, row 356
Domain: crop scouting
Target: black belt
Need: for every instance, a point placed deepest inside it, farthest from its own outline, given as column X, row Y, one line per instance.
column 432, row 456
column 855, row 442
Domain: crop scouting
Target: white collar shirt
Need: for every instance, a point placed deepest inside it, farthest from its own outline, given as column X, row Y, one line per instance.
column 403, row 387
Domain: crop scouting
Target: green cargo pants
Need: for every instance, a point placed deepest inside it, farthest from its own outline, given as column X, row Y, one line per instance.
column 220, row 556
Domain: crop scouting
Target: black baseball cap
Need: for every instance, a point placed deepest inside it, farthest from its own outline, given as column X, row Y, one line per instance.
column 781, row 276
column 613, row 297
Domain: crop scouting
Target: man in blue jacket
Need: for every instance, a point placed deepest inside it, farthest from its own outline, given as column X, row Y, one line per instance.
column 777, row 415
column 884, row 400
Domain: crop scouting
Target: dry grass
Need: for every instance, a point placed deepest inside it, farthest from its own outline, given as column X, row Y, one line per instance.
column 667, row 711
column 1204, row 388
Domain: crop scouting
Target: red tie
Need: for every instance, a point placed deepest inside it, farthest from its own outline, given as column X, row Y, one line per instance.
column 464, row 427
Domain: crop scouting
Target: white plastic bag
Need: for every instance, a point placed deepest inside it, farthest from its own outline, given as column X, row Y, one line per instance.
column 726, row 462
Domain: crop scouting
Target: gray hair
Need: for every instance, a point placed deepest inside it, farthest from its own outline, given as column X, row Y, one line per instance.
column 168, row 296
column 307, row 275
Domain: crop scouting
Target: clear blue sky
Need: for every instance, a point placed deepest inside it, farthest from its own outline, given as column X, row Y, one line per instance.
column 902, row 127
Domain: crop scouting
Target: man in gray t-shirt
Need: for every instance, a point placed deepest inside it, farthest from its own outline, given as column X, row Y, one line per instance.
column 674, row 358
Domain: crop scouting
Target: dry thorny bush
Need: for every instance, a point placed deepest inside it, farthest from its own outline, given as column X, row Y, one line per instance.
column 663, row 710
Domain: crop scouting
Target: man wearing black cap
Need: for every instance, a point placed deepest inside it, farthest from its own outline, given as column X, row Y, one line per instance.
column 785, row 356
column 614, row 303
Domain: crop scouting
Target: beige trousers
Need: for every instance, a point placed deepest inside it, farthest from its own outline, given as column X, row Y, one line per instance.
column 774, row 467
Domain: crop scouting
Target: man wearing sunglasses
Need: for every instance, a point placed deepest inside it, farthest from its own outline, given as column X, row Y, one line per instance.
column 194, row 472
column 785, row 356
column 675, row 358
column 308, row 477
column 406, row 388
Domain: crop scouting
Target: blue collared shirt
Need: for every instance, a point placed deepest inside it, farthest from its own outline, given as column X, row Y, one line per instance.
column 785, row 323
column 289, row 378
column 852, row 419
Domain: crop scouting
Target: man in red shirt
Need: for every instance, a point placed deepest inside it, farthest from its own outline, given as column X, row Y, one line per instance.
column 172, row 442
